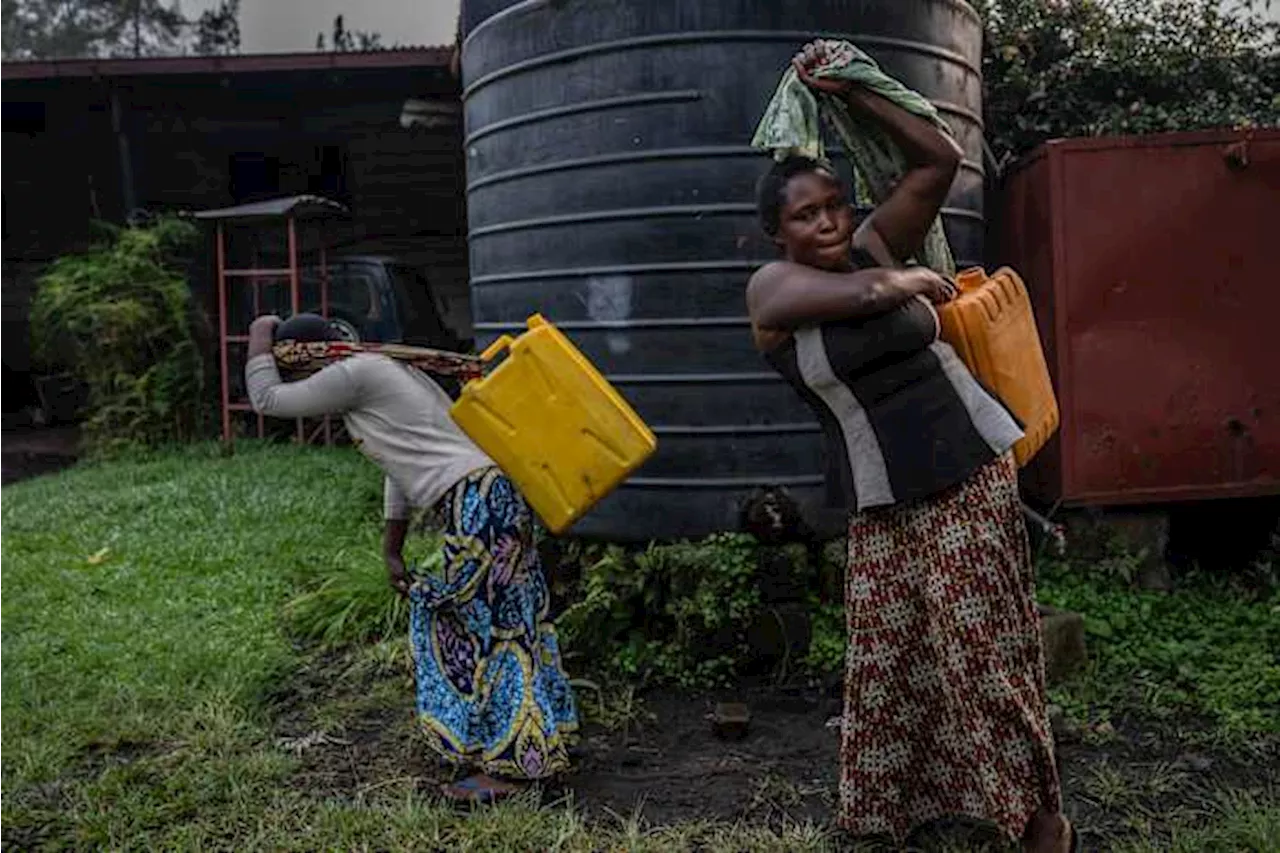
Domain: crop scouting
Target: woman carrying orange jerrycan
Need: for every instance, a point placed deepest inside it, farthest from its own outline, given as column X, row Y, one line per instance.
column 945, row 711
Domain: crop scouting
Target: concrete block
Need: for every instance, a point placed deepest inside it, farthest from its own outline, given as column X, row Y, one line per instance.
column 1062, row 633
column 1142, row 532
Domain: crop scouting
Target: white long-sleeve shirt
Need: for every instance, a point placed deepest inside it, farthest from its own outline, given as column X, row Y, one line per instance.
column 396, row 415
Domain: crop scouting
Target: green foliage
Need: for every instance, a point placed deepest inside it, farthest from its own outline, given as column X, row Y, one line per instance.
column 829, row 640
column 1207, row 648
column 1230, row 821
column 56, row 29
column 1096, row 67
column 218, row 30
column 143, row 652
column 121, row 318
column 345, row 40
column 669, row 614
column 352, row 602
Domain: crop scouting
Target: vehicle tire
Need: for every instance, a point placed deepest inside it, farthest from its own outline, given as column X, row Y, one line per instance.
column 348, row 330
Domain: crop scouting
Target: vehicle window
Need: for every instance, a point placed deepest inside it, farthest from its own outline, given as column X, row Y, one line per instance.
column 419, row 293
column 354, row 293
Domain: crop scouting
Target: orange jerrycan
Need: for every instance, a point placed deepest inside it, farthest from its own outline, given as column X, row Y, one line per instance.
column 553, row 424
column 993, row 330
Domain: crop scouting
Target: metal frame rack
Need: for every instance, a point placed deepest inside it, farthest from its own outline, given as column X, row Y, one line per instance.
column 292, row 210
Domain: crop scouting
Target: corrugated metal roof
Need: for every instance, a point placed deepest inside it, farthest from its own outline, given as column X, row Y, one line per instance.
column 407, row 57
column 300, row 206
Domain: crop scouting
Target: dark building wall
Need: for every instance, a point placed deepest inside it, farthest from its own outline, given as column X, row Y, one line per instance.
column 198, row 141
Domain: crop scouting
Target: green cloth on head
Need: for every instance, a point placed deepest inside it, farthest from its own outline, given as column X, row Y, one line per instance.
column 792, row 125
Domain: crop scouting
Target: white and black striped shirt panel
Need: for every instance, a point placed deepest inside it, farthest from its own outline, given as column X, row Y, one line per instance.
column 902, row 415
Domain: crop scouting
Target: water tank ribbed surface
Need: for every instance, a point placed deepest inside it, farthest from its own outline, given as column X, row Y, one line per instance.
column 610, row 187
column 476, row 12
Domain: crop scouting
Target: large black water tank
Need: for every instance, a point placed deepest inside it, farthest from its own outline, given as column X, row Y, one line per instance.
column 610, row 187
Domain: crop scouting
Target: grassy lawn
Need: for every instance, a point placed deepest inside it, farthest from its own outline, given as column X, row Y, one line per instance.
column 158, row 694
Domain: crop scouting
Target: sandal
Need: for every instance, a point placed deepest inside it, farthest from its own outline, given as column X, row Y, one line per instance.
column 476, row 792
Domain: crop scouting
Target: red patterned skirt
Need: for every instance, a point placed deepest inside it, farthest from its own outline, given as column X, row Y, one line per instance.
column 944, row 675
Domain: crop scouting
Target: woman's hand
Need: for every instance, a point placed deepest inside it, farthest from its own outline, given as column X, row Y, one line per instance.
column 267, row 322
column 393, row 536
column 925, row 282
column 261, row 334
column 397, row 576
column 812, row 56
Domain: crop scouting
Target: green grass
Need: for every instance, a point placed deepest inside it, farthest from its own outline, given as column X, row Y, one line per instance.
column 142, row 629
column 150, row 613
column 135, row 589
column 1207, row 649
column 153, row 614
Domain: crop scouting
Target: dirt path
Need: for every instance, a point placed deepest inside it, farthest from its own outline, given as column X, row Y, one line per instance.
column 659, row 759
column 31, row 451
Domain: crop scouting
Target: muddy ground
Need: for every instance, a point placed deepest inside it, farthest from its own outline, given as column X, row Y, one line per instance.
column 659, row 758
column 29, row 451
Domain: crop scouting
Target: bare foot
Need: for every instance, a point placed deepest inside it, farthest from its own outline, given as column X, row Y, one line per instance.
column 480, row 788
column 1047, row 832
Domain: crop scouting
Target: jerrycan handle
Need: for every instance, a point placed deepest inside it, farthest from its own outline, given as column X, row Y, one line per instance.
column 494, row 349
column 504, row 342
column 970, row 279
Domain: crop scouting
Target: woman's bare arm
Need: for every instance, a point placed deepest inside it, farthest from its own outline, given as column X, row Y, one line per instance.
column 782, row 296
column 903, row 219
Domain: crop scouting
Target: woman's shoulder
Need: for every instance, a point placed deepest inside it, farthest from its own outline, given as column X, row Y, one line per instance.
column 778, row 270
column 769, row 273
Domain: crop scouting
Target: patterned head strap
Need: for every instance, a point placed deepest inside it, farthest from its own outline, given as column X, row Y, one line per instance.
column 309, row 356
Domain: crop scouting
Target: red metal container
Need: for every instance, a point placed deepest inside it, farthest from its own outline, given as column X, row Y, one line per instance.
column 1153, row 268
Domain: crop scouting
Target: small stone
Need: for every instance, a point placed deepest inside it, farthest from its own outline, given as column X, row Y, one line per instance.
column 730, row 720
column 631, row 759
column 1105, row 729
column 1065, row 730
column 1198, row 763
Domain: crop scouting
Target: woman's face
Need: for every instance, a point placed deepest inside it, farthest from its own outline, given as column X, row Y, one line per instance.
column 816, row 222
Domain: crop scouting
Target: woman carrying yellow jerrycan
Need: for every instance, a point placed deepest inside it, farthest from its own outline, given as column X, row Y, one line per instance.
column 492, row 695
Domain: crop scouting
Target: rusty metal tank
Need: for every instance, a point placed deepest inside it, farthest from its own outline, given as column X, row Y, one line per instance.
column 1152, row 270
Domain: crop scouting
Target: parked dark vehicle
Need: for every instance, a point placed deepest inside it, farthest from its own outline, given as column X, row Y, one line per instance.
column 374, row 298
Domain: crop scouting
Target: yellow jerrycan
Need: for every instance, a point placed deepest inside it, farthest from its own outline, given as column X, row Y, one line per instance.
column 992, row 328
column 553, row 424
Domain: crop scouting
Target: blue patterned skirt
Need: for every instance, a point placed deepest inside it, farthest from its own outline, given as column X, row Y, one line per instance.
column 492, row 694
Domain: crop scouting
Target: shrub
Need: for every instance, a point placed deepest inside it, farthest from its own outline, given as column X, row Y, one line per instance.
column 120, row 318
column 1094, row 67
column 669, row 614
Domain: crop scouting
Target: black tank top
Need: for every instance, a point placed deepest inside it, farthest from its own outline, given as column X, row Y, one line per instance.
column 902, row 416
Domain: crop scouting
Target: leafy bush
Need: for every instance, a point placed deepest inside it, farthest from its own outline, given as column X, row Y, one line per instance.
column 669, row 614
column 1093, row 67
column 830, row 639
column 120, row 318
column 1208, row 648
